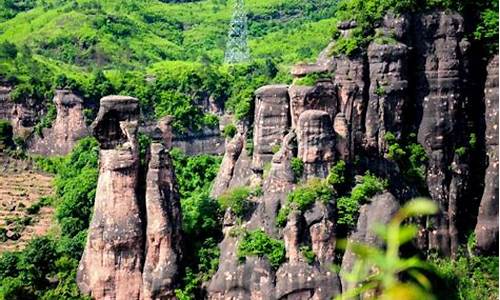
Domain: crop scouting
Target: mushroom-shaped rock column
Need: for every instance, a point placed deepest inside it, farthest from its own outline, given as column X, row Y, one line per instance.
column 111, row 265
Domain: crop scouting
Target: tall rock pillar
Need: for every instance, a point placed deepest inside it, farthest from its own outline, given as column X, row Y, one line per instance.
column 111, row 266
column 487, row 221
column 163, row 230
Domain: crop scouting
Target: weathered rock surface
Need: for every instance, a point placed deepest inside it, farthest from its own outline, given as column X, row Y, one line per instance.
column 487, row 222
column 270, row 123
column 68, row 127
column 163, row 230
column 380, row 210
column 316, row 142
column 207, row 141
column 133, row 250
column 298, row 101
column 388, row 93
column 111, row 266
column 441, row 51
column 351, row 81
column 233, row 151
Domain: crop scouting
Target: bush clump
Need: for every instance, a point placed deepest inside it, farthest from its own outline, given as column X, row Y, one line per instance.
column 303, row 197
column 237, row 199
column 297, row 166
column 258, row 243
column 229, row 131
column 348, row 206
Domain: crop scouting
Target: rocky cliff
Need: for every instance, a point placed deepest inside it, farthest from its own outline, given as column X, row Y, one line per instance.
column 413, row 84
column 401, row 109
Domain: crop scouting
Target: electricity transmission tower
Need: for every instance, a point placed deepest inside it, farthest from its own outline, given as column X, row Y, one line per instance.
column 237, row 47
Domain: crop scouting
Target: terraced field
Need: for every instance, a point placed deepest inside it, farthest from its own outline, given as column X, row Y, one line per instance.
column 20, row 220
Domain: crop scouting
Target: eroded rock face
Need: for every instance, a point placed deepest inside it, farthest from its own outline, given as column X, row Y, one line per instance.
column 316, row 142
column 487, row 222
column 163, row 233
column 133, row 249
column 68, row 127
column 224, row 176
column 271, row 122
column 111, row 266
column 388, row 93
column 380, row 210
column 441, row 51
column 351, row 85
column 298, row 101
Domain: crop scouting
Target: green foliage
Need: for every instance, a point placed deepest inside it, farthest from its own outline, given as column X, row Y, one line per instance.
column 201, row 219
column 312, row 78
column 47, row 120
column 8, row 50
column 380, row 90
column 308, row 254
column 237, row 199
column 467, row 278
column 378, row 271
column 487, row 28
column 337, row 175
column 297, row 166
column 75, row 184
column 461, row 151
column 229, row 131
column 410, row 157
column 6, row 135
column 369, row 186
column 258, row 243
column 303, row 197
column 348, row 206
column 473, row 141
column 275, row 148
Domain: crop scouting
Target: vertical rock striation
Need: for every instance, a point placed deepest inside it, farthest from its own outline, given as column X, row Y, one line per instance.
column 133, row 250
column 441, row 51
column 163, row 230
column 316, row 142
column 271, row 122
column 111, row 266
column 487, row 222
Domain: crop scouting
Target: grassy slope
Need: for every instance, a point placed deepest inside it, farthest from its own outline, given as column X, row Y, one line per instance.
column 135, row 34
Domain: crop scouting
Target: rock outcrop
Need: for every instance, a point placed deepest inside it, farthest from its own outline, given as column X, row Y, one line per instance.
column 487, row 221
column 441, row 51
column 68, row 127
column 111, row 266
column 163, row 233
column 133, row 248
column 270, row 123
column 379, row 211
column 316, row 142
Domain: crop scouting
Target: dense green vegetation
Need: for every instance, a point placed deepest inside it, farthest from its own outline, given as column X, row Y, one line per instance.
column 258, row 243
column 169, row 54
column 238, row 199
column 201, row 219
column 30, row 274
column 6, row 135
column 467, row 277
